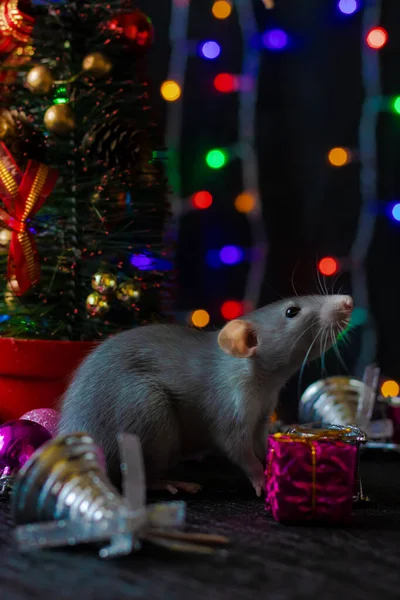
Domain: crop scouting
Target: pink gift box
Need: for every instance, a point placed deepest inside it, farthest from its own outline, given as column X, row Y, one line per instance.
column 309, row 478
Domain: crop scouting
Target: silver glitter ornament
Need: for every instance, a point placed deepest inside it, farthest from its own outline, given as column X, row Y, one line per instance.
column 63, row 497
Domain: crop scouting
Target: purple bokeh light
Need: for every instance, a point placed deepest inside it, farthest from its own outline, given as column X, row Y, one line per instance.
column 231, row 255
column 275, row 39
column 210, row 50
column 141, row 261
column 348, row 7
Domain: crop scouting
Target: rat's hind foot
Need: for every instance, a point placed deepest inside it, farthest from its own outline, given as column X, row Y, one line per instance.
column 174, row 486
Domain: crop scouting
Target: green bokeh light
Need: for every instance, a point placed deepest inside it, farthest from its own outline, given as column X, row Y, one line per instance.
column 396, row 105
column 359, row 317
column 216, row 159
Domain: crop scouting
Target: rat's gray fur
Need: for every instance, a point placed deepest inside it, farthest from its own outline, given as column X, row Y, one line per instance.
column 181, row 394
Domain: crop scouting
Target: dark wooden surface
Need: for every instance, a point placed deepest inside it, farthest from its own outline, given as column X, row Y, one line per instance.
column 265, row 559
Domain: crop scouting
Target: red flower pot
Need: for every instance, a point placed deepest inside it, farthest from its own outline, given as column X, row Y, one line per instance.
column 35, row 373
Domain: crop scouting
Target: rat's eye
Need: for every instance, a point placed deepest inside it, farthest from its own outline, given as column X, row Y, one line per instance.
column 292, row 311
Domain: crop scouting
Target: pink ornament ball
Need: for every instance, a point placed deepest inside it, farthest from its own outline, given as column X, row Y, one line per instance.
column 46, row 417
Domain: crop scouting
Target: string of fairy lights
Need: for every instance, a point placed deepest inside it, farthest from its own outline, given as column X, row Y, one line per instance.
column 374, row 38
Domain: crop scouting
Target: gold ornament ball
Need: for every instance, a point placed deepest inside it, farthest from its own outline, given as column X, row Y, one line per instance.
column 5, row 239
column 128, row 292
column 104, row 283
column 97, row 305
column 40, row 80
column 7, row 125
column 97, row 65
column 10, row 295
column 59, row 119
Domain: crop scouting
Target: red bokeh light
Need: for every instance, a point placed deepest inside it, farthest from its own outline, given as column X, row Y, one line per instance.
column 224, row 82
column 202, row 199
column 231, row 309
column 328, row 266
column 377, row 38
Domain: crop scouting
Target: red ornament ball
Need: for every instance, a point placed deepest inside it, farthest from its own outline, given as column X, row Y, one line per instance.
column 135, row 29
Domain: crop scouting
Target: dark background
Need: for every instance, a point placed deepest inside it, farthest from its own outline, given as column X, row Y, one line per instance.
column 310, row 99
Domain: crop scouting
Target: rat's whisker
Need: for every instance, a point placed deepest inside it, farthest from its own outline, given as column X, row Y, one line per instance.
column 303, row 366
column 293, row 272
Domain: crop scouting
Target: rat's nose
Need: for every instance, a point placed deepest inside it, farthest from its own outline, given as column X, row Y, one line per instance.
column 347, row 304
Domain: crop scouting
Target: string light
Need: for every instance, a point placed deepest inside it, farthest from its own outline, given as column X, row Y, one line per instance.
column 210, row 50
column 202, row 199
column 275, row 39
column 377, row 38
column 328, row 266
column 338, row 157
column 348, row 7
column 390, row 389
column 396, row 212
column 224, row 82
column 231, row 309
column 216, row 159
column 221, row 9
column 200, row 318
column 170, row 91
column 245, row 202
column 231, row 255
column 396, row 105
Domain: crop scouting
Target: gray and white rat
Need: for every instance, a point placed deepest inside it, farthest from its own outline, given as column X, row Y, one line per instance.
column 185, row 391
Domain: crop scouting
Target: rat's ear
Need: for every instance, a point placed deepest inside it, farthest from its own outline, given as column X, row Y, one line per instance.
column 238, row 338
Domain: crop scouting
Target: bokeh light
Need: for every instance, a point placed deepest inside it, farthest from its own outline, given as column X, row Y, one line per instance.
column 396, row 105
column 200, row 318
column 142, row 261
column 338, row 157
column 328, row 266
column 396, row 212
column 390, row 389
column 348, row 7
column 202, row 199
column 245, row 202
column 221, row 9
column 225, row 82
column 210, row 50
column 216, row 159
column 170, row 91
column 377, row 38
column 232, row 309
column 231, row 255
column 275, row 39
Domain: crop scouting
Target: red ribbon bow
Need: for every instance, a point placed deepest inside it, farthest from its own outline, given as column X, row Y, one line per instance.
column 22, row 196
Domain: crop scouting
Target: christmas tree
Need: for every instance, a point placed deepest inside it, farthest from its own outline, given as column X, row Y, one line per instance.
column 83, row 193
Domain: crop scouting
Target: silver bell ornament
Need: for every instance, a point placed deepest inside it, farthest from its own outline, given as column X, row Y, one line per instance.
column 63, row 497
column 340, row 400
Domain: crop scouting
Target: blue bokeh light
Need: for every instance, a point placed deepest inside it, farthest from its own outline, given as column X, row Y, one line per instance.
column 396, row 212
column 275, row 39
column 348, row 7
column 231, row 255
column 210, row 50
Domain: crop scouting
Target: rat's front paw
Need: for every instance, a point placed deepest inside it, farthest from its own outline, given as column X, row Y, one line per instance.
column 259, row 487
column 258, row 481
